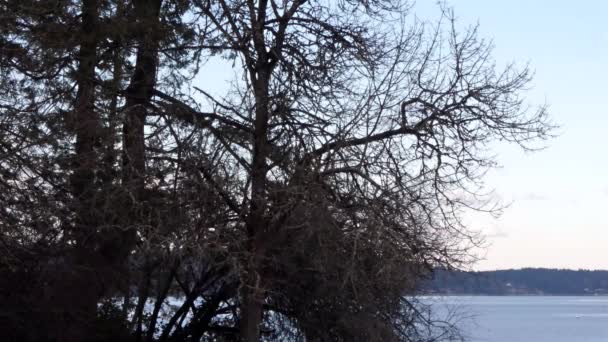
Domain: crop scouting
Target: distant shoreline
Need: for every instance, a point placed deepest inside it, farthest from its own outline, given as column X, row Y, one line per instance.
column 521, row 282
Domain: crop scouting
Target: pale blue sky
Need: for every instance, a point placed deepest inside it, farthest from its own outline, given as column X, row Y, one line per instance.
column 558, row 196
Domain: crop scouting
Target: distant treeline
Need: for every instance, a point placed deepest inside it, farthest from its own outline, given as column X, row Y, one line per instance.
column 537, row 281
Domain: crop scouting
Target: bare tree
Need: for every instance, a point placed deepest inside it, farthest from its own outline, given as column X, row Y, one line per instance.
column 351, row 122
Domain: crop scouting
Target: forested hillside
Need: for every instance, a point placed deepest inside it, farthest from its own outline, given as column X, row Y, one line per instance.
column 538, row 281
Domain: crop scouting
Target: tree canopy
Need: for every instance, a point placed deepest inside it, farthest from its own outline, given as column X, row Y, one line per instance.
column 307, row 202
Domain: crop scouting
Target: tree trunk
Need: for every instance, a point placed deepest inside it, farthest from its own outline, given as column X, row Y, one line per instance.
column 139, row 92
column 253, row 292
column 75, row 289
column 252, row 308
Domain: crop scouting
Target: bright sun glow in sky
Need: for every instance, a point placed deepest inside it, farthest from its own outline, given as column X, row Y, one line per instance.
column 559, row 196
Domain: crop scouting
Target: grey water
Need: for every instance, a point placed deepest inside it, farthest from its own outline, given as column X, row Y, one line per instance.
column 530, row 318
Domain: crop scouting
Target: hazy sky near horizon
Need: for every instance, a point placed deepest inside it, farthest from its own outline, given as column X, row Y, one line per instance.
column 559, row 196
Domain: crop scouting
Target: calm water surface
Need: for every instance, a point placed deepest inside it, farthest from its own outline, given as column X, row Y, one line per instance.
column 531, row 319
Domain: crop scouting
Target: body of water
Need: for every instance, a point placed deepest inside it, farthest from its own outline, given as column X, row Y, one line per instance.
column 531, row 318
